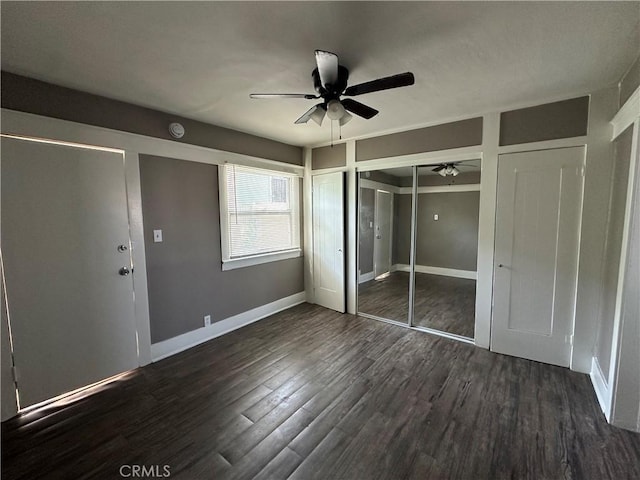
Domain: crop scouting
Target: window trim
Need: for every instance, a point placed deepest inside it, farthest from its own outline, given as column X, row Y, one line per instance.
column 248, row 261
column 229, row 263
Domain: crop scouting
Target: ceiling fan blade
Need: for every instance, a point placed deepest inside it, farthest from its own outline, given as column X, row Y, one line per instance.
column 438, row 168
column 359, row 108
column 327, row 67
column 315, row 113
column 307, row 96
column 394, row 81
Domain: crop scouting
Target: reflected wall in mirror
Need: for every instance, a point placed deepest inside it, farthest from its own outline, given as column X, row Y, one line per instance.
column 446, row 251
column 383, row 290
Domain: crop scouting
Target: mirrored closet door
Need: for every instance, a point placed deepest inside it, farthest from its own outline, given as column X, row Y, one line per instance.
column 439, row 267
column 446, row 247
column 384, row 244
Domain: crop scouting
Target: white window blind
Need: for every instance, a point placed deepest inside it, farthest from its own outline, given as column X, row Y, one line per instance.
column 260, row 212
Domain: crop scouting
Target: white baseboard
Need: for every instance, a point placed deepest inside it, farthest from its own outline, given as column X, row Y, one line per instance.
column 365, row 277
column 187, row 340
column 447, row 272
column 600, row 386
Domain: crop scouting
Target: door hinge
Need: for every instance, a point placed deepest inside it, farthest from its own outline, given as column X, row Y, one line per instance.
column 14, row 373
column 568, row 339
column 581, row 171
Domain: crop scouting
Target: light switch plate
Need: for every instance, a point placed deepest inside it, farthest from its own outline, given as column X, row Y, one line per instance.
column 157, row 236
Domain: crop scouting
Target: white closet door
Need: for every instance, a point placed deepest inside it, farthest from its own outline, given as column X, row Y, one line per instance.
column 537, row 241
column 71, row 310
column 328, row 240
column 382, row 243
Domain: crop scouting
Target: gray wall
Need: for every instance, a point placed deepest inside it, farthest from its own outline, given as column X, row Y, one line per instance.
column 449, row 242
column 401, row 249
column 463, row 133
column 184, row 272
column 367, row 216
column 630, row 82
column 328, row 157
column 382, row 177
column 550, row 121
column 615, row 224
column 33, row 96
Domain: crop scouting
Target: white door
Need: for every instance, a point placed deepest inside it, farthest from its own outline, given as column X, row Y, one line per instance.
column 328, row 240
column 538, row 213
column 382, row 243
column 71, row 310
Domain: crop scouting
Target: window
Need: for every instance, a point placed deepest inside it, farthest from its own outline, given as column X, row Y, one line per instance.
column 259, row 216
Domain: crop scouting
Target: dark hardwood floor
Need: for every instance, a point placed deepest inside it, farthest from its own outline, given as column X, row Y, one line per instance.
column 443, row 303
column 387, row 298
column 310, row 393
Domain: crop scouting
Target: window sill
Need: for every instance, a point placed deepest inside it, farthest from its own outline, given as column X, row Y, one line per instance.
column 234, row 263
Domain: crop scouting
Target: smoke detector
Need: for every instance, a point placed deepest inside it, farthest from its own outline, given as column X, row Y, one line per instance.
column 176, row 130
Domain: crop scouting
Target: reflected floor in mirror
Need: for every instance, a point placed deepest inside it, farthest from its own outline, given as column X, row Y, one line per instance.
column 442, row 303
column 386, row 298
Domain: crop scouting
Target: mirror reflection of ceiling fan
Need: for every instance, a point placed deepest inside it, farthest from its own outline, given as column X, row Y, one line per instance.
column 450, row 169
column 330, row 83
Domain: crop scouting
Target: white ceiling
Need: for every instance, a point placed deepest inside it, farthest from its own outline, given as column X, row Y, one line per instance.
column 202, row 59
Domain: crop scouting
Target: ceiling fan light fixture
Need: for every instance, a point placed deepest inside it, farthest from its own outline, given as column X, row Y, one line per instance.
column 442, row 172
column 335, row 110
column 454, row 171
column 345, row 118
column 318, row 115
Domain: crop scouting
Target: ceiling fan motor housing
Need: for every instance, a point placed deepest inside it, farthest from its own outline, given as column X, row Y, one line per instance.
column 331, row 92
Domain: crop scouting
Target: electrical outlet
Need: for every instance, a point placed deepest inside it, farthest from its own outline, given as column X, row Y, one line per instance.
column 207, row 320
column 157, row 236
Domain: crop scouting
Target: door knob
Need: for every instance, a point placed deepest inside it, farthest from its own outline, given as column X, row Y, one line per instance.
column 122, row 248
column 124, row 271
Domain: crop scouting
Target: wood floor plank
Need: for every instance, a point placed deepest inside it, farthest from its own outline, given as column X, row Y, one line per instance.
column 329, row 418
column 268, row 448
column 267, row 424
column 319, row 464
column 282, row 466
column 311, row 393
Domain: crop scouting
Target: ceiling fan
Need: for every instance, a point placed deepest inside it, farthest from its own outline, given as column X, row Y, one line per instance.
column 446, row 169
column 330, row 83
